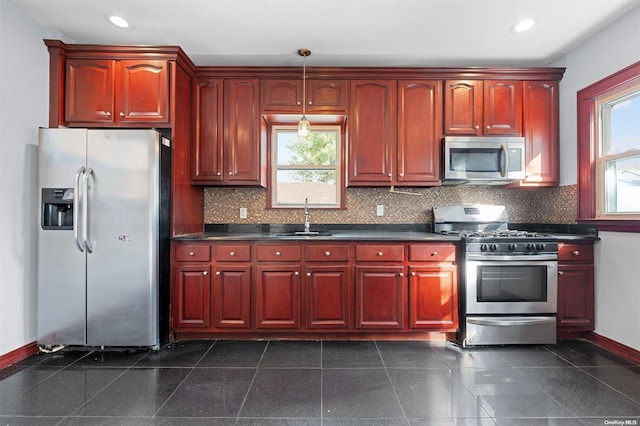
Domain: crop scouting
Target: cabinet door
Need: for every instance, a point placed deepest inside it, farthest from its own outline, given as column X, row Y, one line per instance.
column 575, row 297
column 277, row 297
column 419, row 131
column 541, row 132
column 502, row 114
column 326, row 96
column 231, row 299
column 190, row 303
column 433, row 297
column 463, row 107
column 143, row 92
column 372, row 132
column 380, row 297
column 208, row 125
column 328, row 294
column 243, row 154
column 282, row 96
column 89, row 91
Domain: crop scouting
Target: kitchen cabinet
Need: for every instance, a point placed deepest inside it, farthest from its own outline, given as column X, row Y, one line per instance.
column 191, row 287
column 328, row 287
column 380, row 286
column 433, row 287
column 231, row 293
column 372, row 132
column 277, row 291
column 227, row 146
column 483, row 107
column 541, row 133
column 286, row 96
column 124, row 93
column 575, row 287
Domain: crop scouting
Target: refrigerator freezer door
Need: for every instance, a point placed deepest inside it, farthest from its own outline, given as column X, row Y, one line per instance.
column 61, row 265
column 123, row 192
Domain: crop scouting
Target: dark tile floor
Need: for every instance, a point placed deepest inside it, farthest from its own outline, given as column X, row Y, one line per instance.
column 324, row 383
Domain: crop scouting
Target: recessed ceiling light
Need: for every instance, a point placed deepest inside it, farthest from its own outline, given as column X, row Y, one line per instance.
column 119, row 21
column 522, row 26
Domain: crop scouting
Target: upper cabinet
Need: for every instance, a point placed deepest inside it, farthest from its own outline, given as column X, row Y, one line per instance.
column 488, row 107
column 124, row 93
column 286, row 96
column 227, row 146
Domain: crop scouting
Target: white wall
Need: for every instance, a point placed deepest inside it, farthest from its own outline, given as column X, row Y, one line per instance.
column 617, row 254
column 24, row 92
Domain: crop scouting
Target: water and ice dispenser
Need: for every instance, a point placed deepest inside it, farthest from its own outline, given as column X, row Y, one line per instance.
column 57, row 208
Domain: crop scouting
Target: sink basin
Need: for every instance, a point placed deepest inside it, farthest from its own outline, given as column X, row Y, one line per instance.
column 304, row 234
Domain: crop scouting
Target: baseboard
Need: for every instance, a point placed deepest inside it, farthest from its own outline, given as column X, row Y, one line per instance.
column 617, row 348
column 18, row 354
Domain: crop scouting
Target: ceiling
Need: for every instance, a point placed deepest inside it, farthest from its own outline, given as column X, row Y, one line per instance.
column 429, row 33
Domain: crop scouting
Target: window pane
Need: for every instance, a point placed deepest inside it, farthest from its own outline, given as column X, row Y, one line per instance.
column 622, row 182
column 624, row 124
column 319, row 186
column 319, row 148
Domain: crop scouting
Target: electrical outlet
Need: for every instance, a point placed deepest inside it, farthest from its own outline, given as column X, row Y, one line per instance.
column 243, row 212
column 380, row 210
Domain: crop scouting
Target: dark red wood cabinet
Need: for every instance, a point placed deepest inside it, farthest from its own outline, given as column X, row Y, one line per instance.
column 191, row 287
column 123, row 93
column 286, row 96
column 575, row 287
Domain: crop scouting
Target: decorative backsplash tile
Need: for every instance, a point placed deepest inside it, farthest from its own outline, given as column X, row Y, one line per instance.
column 544, row 205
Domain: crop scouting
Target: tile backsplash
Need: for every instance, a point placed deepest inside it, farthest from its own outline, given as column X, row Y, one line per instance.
column 544, row 205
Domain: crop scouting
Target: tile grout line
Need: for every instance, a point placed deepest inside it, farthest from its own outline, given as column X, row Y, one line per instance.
column 253, row 379
column 395, row 392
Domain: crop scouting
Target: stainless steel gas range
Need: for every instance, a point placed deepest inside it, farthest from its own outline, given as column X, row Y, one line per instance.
column 509, row 278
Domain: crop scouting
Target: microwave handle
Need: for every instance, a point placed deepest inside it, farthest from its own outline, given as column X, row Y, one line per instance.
column 505, row 163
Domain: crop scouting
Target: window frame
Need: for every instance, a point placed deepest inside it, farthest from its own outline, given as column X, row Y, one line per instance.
column 588, row 149
column 339, row 166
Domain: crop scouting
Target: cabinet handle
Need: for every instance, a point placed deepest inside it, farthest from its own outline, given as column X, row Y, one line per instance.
column 401, row 174
column 108, row 113
column 278, row 253
column 298, row 103
column 389, row 174
column 232, row 253
column 413, row 274
column 230, row 173
column 205, row 273
column 310, row 103
column 296, row 273
column 435, row 253
column 308, row 274
column 191, row 253
column 477, row 127
column 575, row 252
column 401, row 274
column 379, row 253
column 488, row 127
column 560, row 272
column 218, row 174
column 121, row 114
column 327, row 253
column 217, row 272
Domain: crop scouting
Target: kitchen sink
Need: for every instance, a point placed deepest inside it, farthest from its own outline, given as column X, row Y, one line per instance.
column 299, row 234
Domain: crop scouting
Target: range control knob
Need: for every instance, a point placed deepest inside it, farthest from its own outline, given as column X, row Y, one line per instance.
column 531, row 246
column 483, row 247
column 540, row 246
column 493, row 247
column 513, row 246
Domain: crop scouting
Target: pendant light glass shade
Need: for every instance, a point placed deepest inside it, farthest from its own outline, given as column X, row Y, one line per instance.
column 304, row 127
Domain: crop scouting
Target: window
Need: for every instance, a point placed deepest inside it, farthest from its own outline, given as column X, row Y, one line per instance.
column 306, row 167
column 609, row 151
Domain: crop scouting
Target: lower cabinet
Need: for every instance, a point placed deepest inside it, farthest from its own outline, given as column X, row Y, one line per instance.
column 277, row 296
column 380, row 297
column 433, row 297
column 328, row 297
column 231, row 297
column 190, row 296
column 575, row 287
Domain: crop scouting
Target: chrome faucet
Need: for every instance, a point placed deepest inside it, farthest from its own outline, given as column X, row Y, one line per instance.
column 307, row 224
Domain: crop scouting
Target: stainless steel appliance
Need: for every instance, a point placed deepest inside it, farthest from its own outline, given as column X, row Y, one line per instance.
column 483, row 160
column 103, row 240
column 509, row 277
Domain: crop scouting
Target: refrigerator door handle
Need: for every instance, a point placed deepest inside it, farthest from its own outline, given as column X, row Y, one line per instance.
column 77, row 203
column 85, row 210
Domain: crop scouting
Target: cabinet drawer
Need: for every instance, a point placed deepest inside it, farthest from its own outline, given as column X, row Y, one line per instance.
column 278, row 253
column 233, row 253
column 193, row 253
column 327, row 253
column 432, row 252
column 575, row 252
column 380, row 253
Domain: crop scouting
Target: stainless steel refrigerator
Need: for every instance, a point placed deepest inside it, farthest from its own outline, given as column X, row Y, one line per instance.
column 103, row 238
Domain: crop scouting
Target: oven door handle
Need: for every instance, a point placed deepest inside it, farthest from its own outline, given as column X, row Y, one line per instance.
column 530, row 257
column 511, row 322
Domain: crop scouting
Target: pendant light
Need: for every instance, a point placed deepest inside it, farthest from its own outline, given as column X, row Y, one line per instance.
column 303, row 125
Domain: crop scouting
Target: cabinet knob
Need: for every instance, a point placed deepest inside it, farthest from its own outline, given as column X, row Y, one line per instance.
column 389, row 174
column 379, row 253
column 121, row 114
column 413, row 274
column 401, row 274
column 218, row 174
column 308, row 274
column 575, row 252
column 310, row 103
column 232, row 253
column 296, row 273
column 327, row 253
column 488, row 127
column 435, row 253
column 298, row 103
column 401, row 174
column 278, row 253
column 560, row 272
column 107, row 113
column 191, row 253
column 230, row 173
column 217, row 272
column 205, row 273
column 477, row 127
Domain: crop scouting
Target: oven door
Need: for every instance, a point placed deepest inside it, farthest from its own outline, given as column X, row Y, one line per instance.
column 511, row 286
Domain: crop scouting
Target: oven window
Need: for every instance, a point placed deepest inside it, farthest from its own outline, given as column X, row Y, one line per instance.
column 523, row 283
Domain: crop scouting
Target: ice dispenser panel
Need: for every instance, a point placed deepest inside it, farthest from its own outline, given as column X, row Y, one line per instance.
column 57, row 208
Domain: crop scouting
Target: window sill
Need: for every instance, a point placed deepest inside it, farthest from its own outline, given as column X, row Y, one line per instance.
column 614, row 225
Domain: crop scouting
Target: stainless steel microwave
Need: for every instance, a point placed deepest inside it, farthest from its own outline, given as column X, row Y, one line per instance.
column 483, row 160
